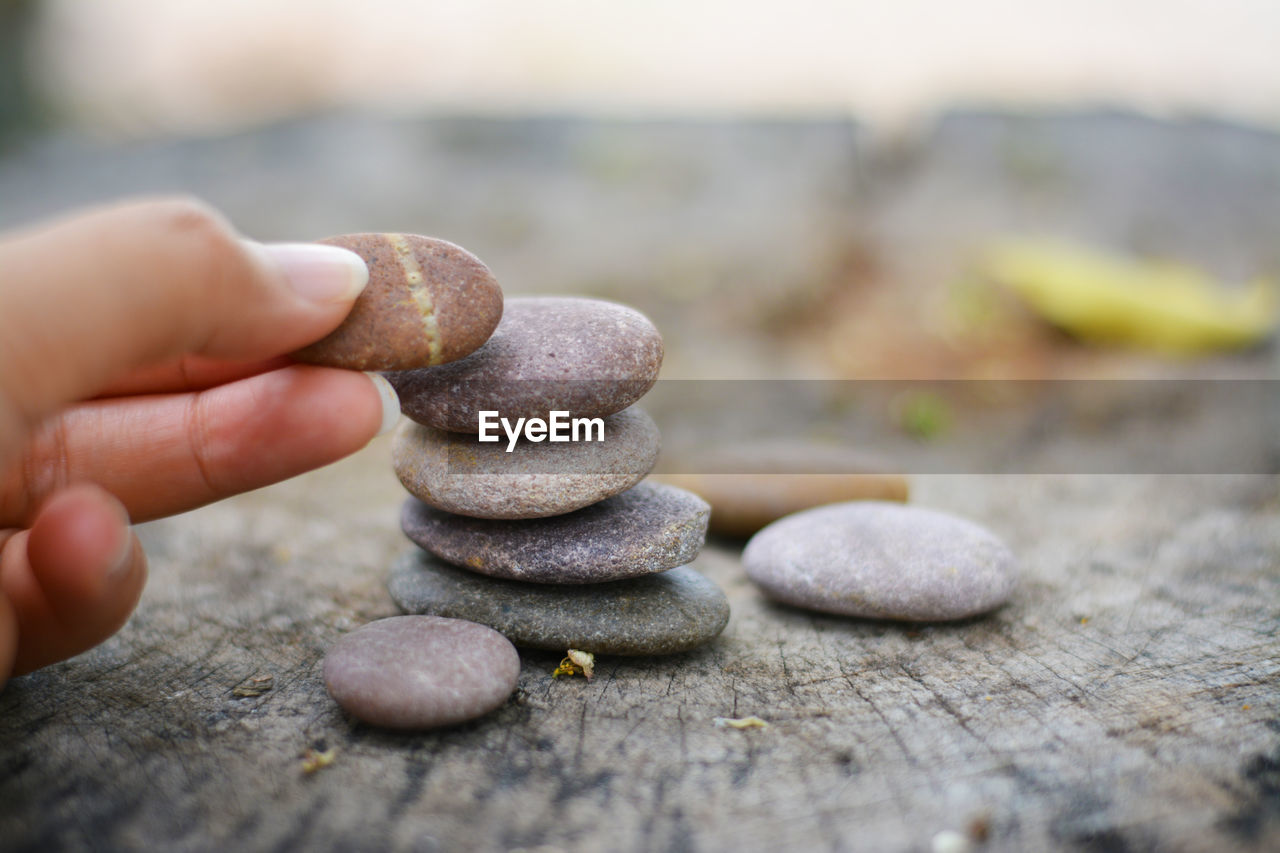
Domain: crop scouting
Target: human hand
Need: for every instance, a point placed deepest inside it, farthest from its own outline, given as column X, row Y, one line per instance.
column 142, row 373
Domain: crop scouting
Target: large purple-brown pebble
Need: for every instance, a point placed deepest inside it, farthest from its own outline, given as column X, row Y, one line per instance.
column 646, row 529
column 587, row 357
column 428, row 302
column 457, row 473
column 419, row 672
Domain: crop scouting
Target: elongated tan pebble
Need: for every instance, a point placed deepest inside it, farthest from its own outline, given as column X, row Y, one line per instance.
column 741, row 504
column 428, row 302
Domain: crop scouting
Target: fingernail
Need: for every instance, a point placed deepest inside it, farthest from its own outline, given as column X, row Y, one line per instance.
column 122, row 561
column 318, row 273
column 390, row 402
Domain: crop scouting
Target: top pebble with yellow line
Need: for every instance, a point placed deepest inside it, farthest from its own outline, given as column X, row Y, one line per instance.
column 428, row 302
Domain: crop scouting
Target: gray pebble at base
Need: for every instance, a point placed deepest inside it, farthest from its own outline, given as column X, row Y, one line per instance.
column 457, row 473
column 658, row 614
column 588, row 357
column 882, row 561
column 419, row 672
column 646, row 529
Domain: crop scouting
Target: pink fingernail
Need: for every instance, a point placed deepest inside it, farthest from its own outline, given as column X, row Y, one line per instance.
column 122, row 561
column 319, row 273
column 390, row 403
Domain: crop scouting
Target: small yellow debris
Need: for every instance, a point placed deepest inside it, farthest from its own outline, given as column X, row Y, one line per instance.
column 1084, row 620
column 1245, row 707
column 740, row 723
column 1167, row 307
column 585, row 660
column 577, row 663
column 313, row 760
column 255, row 686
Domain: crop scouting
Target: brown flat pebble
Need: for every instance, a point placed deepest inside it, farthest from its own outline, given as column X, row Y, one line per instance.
column 457, row 473
column 419, row 672
column 428, row 302
column 587, row 357
column 741, row 504
column 646, row 529
column 754, row 484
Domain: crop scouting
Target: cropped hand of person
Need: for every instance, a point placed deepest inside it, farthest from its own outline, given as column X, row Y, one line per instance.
column 143, row 373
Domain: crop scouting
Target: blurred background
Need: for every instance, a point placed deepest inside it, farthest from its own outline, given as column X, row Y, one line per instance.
column 816, row 189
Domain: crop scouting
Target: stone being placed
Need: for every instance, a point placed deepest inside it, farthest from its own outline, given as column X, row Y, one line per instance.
column 649, row 528
column 457, row 473
column 657, row 614
column 584, row 357
column 882, row 561
column 428, row 302
column 419, row 672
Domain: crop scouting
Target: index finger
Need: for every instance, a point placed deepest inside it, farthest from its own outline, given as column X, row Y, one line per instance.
column 87, row 300
column 188, row 373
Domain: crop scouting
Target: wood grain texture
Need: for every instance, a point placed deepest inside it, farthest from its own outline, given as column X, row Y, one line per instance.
column 1128, row 731
column 1125, row 700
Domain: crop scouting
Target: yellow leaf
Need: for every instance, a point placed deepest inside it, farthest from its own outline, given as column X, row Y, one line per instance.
column 1103, row 298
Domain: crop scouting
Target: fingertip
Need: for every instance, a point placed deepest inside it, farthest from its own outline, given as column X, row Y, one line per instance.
column 77, row 579
column 81, row 543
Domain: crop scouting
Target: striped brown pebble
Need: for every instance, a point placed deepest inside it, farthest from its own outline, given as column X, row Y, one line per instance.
column 428, row 302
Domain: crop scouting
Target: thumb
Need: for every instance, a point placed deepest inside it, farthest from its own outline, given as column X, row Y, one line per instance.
column 87, row 299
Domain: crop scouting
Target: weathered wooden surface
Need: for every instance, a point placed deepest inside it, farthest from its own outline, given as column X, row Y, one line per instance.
column 1127, row 698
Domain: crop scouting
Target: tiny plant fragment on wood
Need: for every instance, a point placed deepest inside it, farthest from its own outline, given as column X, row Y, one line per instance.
column 313, row 759
column 577, row 663
column 740, row 723
column 255, row 686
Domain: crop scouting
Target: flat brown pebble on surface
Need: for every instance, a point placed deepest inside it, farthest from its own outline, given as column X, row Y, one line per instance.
column 752, row 484
column 587, row 357
column 882, row 561
column 456, row 472
column 741, row 504
column 428, row 302
column 419, row 672
column 646, row 529
column 654, row 615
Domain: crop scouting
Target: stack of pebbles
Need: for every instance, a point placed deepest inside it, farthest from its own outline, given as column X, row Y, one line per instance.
column 556, row 544
column 528, row 539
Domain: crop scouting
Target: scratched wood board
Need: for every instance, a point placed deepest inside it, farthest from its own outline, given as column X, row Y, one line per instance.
column 1125, row 699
